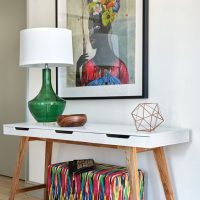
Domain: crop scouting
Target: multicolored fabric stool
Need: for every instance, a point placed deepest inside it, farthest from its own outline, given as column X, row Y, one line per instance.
column 106, row 182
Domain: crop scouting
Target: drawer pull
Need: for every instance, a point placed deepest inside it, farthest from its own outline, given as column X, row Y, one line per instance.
column 65, row 132
column 118, row 136
column 21, row 128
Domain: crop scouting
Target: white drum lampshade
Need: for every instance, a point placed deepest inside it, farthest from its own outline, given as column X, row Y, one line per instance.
column 51, row 46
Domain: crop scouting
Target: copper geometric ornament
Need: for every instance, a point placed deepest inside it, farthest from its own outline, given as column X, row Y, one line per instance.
column 147, row 116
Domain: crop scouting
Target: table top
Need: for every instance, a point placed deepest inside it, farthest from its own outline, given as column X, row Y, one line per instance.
column 110, row 134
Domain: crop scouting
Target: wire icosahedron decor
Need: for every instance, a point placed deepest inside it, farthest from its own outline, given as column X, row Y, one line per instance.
column 147, row 116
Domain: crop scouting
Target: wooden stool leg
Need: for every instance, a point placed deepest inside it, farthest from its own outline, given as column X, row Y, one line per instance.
column 48, row 156
column 159, row 155
column 20, row 158
column 133, row 172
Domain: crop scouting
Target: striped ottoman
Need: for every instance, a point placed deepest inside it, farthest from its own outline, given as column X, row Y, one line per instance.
column 106, row 182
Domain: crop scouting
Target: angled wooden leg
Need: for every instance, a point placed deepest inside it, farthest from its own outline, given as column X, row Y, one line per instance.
column 133, row 172
column 159, row 155
column 20, row 158
column 48, row 156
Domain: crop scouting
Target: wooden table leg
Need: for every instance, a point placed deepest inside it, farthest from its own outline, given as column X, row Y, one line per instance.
column 48, row 156
column 133, row 172
column 159, row 155
column 20, row 158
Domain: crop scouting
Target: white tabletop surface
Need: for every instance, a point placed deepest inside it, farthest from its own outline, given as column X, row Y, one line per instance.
column 102, row 134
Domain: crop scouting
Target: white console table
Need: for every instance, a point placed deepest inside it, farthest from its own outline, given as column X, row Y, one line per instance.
column 101, row 135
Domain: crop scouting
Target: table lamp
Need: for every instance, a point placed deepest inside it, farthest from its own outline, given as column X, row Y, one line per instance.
column 46, row 47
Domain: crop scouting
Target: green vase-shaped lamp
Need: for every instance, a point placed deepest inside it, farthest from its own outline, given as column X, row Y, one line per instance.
column 50, row 47
column 46, row 106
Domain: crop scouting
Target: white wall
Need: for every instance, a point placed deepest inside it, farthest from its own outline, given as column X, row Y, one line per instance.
column 173, row 83
column 12, row 79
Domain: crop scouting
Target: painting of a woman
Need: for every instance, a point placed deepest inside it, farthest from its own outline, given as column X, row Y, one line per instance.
column 104, row 68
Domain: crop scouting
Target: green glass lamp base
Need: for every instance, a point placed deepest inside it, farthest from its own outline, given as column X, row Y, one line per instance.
column 46, row 106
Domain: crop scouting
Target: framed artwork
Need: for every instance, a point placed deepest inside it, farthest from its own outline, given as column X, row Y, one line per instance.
column 110, row 47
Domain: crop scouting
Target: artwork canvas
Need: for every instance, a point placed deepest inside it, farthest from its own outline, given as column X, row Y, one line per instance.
column 108, row 42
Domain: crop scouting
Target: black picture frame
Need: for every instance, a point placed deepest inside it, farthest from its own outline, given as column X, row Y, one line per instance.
column 145, row 61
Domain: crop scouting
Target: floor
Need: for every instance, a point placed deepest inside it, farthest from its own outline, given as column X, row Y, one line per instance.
column 5, row 184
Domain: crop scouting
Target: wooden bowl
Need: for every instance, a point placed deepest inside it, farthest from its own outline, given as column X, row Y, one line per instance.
column 72, row 120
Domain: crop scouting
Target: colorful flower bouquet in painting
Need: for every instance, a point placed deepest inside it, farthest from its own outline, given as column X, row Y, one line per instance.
column 106, row 182
column 108, row 9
